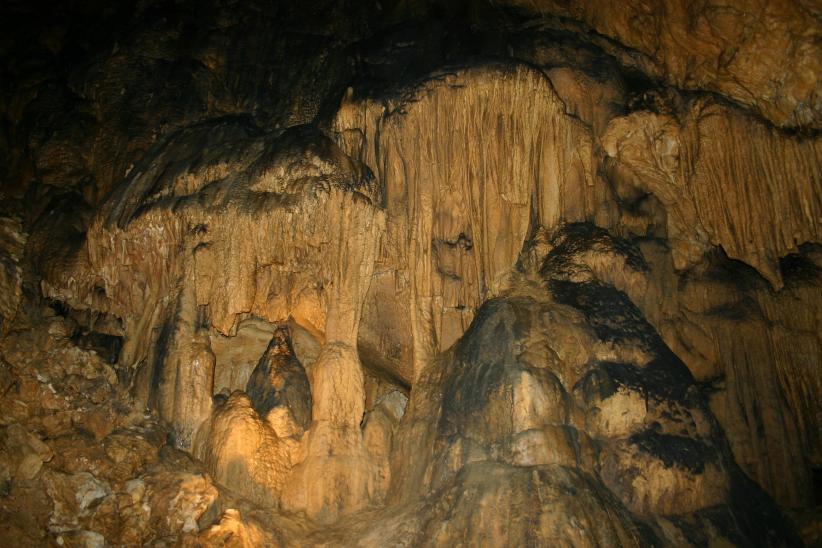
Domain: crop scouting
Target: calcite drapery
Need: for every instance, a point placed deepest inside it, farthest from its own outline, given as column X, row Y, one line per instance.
column 459, row 203
column 260, row 231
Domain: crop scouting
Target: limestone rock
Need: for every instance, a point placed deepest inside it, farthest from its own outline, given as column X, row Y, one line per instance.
column 244, row 452
column 181, row 500
column 765, row 56
column 448, row 195
column 23, row 453
column 12, row 241
column 279, row 383
column 410, row 273
column 756, row 193
column 74, row 497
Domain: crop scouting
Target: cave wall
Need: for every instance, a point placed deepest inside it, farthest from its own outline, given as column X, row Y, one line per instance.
column 384, row 258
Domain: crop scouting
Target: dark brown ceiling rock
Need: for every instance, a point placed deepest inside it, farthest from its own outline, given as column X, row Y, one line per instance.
column 763, row 55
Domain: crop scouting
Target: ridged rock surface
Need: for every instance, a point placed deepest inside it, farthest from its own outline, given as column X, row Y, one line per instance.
column 522, row 273
column 459, row 203
column 725, row 180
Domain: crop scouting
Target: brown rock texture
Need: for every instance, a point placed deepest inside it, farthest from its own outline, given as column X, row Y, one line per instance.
column 509, row 273
column 459, row 203
column 763, row 55
column 725, row 180
column 12, row 244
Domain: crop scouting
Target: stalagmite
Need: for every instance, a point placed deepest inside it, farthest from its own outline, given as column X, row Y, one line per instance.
column 401, row 273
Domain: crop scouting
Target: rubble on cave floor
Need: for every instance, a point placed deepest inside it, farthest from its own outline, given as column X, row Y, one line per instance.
column 82, row 466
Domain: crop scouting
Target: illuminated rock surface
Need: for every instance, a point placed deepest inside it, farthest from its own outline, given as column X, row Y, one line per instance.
column 328, row 273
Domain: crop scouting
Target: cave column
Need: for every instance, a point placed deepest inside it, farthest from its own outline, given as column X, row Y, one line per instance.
column 335, row 476
column 186, row 378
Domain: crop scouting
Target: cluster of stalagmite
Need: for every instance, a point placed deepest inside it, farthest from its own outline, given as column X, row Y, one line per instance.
column 271, row 196
column 538, row 289
column 290, row 229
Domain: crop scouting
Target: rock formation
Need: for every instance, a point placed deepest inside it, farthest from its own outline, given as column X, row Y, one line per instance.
column 763, row 55
column 411, row 273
